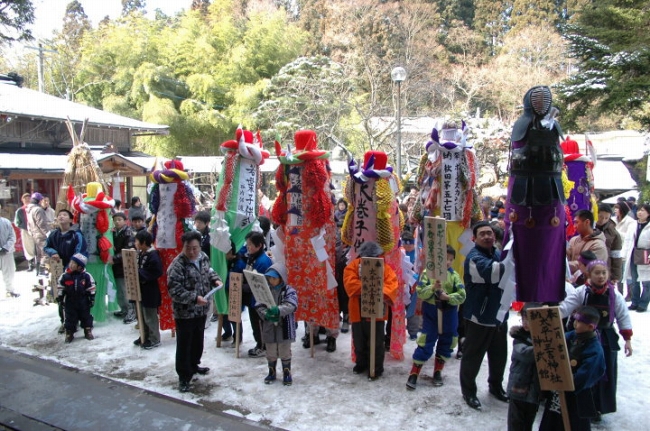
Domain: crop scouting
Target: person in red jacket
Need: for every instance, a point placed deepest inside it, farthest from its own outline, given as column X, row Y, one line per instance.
column 361, row 326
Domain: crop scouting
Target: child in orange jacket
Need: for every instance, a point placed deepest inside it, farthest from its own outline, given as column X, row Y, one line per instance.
column 361, row 326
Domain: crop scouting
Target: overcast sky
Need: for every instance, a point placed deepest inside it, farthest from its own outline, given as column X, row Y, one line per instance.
column 49, row 13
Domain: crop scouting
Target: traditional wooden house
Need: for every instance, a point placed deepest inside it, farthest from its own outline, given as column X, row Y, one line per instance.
column 34, row 143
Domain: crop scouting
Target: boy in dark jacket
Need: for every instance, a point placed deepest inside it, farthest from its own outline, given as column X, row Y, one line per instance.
column 523, row 383
column 149, row 270
column 123, row 238
column 77, row 293
column 588, row 367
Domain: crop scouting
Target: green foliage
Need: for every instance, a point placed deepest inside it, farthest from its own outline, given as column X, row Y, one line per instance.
column 309, row 93
column 537, row 13
column 609, row 42
column 15, row 16
column 197, row 72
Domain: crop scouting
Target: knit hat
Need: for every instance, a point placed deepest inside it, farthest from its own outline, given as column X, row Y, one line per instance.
column 79, row 259
column 370, row 249
column 37, row 196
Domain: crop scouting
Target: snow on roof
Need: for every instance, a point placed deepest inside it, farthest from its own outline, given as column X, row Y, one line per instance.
column 24, row 102
column 612, row 175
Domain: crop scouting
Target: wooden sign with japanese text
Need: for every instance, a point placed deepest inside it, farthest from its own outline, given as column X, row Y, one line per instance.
column 551, row 353
column 372, row 287
column 131, row 277
column 235, row 280
column 260, row 288
column 56, row 269
column 435, row 248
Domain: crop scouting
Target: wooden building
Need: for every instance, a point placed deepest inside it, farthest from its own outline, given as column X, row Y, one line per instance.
column 34, row 143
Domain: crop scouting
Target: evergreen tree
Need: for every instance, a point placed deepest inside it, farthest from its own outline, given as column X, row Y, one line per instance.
column 67, row 44
column 15, row 16
column 538, row 13
column 491, row 20
column 455, row 10
column 200, row 5
column 129, row 6
column 308, row 93
column 609, row 44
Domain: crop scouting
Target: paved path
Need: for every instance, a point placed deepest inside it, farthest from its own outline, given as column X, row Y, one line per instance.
column 38, row 395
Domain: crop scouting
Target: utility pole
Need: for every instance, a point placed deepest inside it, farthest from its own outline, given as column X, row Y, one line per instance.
column 41, row 55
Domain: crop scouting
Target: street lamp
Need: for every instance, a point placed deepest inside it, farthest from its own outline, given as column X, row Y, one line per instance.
column 398, row 75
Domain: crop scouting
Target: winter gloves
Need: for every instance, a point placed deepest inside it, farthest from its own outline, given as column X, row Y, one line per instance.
column 272, row 314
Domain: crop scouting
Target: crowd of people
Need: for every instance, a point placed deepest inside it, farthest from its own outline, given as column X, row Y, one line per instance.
column 459, row 313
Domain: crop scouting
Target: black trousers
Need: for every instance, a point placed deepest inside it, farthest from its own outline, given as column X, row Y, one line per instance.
column 479, row 340
column 521, row 415
column 77, row 311
column 189, row 346
column 361, row 341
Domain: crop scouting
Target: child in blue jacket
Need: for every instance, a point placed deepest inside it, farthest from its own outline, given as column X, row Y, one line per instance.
column 77, row 293
column 588, row 366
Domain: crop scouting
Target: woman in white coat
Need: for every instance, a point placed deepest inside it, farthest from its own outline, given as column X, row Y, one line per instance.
column 638, row 276
column 625, row 223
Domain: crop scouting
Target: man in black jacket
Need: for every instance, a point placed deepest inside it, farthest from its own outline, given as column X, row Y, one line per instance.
column 123, row 238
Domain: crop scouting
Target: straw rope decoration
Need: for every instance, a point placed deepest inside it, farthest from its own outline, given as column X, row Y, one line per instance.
column 81, row 169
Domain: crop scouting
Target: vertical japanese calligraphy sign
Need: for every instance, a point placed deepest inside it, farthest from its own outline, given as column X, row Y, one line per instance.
column 56, row 269
column 435, row 248
column 234, row 296
column 260, row 288
column 246, row 193
column 132, row 282
column 551, row 353
column 372, row 287
column 131, row 278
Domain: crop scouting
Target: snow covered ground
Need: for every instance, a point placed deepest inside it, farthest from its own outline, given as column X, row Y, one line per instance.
column 325, row 395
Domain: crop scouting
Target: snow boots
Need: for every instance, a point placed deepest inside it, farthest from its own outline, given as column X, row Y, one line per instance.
column 345, row 326
column 131, row 315
column 271, row 377
column 412, row 381
column 69, row 336
column 437, row 371
column 286, row 373
column 88, row 334
column 331, row 344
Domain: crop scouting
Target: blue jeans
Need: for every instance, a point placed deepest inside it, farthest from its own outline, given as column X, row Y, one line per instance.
column 640, row 289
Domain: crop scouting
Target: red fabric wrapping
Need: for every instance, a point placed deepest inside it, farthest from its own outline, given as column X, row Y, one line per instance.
column 102, row 223
column 318, row 204
column 104, row 246
column 279, row 211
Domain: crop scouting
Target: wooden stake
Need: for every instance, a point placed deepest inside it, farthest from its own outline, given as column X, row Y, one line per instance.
column 565, row 411
column 311, row 339
column 219, row 328
column 138, row 311
column 237, row 332
column 373, row 345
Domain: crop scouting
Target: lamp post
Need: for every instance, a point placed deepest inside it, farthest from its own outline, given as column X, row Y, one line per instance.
column 398, row 75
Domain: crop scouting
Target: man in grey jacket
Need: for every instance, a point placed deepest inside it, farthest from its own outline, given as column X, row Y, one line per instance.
column 189, row 279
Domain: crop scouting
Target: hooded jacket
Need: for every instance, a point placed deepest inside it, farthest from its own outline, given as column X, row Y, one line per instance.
column 614, row 244
column 594, row 242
